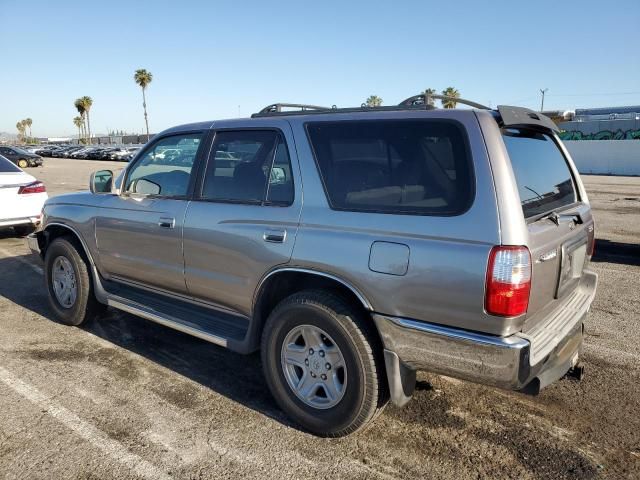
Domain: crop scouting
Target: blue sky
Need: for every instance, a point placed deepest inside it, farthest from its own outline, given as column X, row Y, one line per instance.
column 210, row 57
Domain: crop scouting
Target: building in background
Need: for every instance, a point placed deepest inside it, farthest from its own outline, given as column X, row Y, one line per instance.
column 608, row 123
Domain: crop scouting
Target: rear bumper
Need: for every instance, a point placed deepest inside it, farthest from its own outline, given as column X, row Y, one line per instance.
column 10, row 222
column 505, row 362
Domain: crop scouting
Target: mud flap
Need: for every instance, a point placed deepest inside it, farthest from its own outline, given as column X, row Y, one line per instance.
column 402, row 379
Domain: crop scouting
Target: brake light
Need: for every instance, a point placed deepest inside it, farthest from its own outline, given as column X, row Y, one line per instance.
column 34, row 187
column 508, row 281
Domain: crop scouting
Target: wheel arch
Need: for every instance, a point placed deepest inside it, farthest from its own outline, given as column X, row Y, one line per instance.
column 55, row 230
column 283, row 282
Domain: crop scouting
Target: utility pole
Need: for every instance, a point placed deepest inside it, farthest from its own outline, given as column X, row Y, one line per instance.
column 542, row 91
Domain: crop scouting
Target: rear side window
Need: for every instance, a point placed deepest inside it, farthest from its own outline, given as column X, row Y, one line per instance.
column 541, row 170
column 6, row 166
column 420, row 167
column 251, row 166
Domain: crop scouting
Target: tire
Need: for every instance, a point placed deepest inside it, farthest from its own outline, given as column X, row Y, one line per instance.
column 84, row 306
column 23, row 163
column 24, row 230
column 364, row 390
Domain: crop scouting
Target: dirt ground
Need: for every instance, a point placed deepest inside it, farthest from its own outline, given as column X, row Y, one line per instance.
column 125, row 398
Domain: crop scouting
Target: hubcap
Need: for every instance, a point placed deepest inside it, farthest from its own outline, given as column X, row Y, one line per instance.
column 314, row 366
column 65, row 286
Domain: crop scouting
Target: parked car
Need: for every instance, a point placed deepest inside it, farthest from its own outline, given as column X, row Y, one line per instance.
column 21, row 198
column 48, row 150
column 453, row 241
column 20, row 157
column 118, row 153
column 65, row 152
column 133, row 151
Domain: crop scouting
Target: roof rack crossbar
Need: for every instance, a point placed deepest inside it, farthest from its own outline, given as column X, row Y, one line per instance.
column 277, row 107
column 421, row 100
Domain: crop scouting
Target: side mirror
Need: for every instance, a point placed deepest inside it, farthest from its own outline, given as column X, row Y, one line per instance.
column 101, row 181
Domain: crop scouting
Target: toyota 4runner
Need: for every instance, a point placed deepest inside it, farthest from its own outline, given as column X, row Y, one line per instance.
column 351, row 246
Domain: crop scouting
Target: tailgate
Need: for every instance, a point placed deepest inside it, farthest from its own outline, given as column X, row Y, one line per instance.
column 559, row 222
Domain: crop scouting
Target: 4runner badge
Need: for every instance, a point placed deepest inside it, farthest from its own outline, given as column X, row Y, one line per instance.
column 548, row 256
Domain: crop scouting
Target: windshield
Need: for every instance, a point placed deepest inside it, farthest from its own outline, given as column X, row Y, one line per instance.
column 541, row 170
column 7, row 167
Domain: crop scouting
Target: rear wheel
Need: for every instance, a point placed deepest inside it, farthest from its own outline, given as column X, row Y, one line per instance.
column 321, row 364
column 69, row 283
column 22, row 163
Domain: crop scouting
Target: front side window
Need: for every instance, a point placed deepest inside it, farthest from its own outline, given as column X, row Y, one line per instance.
column 420, row 167
column 165, row 169
column 542, row 173
column 250, row 166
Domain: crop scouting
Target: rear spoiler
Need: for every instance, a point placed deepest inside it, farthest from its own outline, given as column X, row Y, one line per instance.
column 523, row 117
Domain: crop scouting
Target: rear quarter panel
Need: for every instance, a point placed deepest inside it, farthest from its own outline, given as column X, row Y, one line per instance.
column 445, row 277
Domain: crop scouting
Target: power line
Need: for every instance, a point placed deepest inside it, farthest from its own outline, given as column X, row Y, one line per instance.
column 591, row 94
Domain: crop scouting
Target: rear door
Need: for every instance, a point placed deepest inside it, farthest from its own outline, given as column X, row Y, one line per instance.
column 244, row 218
column 559, row 222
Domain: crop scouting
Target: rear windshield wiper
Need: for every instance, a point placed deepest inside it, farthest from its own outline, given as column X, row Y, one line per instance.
column 556, row 217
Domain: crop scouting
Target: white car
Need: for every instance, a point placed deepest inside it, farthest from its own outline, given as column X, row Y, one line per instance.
column 21, row 198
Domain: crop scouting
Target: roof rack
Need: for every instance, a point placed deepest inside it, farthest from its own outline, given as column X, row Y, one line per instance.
column 277, row 108
column 421, row 100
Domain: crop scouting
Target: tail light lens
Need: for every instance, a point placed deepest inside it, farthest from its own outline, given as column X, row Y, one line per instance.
column 34, row 187
column 508, row 281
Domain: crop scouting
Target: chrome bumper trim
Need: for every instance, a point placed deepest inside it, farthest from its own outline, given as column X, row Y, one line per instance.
column 454, row 352
column 32, row 242
column 491, row 360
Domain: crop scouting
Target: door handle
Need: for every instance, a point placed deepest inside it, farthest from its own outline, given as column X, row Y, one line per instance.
column 167, row 222
column 275, row 236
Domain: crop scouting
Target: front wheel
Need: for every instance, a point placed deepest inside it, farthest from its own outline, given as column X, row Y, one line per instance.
column 22, row 163
column 69, row 283
column 321, row 361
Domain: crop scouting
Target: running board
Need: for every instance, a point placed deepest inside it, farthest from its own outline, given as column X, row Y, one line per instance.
column 163, row 319
column 183, row 314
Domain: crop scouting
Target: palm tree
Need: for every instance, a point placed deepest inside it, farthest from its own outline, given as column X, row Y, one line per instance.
column 20, row 126
column 86, row 103
column 450, row 92
column 78, row 122
column 373, row 101
column 80, row 107
column 28, row 122
column 143, row 79
column 427, row 97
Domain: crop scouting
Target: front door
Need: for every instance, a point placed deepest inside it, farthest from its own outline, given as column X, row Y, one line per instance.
column 244, row 218
column 139, row 232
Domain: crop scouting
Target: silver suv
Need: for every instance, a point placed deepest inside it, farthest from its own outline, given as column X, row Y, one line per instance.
column 351, row 246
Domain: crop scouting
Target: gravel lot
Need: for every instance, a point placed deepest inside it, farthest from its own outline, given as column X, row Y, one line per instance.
column 125, row 398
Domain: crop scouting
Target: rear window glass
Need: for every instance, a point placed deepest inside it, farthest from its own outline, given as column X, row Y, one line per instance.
column 6, row 166
column 542, row 173
column 411, row 166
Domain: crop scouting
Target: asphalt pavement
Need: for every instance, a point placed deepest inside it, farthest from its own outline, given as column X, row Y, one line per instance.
column 125, row 398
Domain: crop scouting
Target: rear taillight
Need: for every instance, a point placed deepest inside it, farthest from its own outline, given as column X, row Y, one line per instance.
column 35, row 187
column 508, row 281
